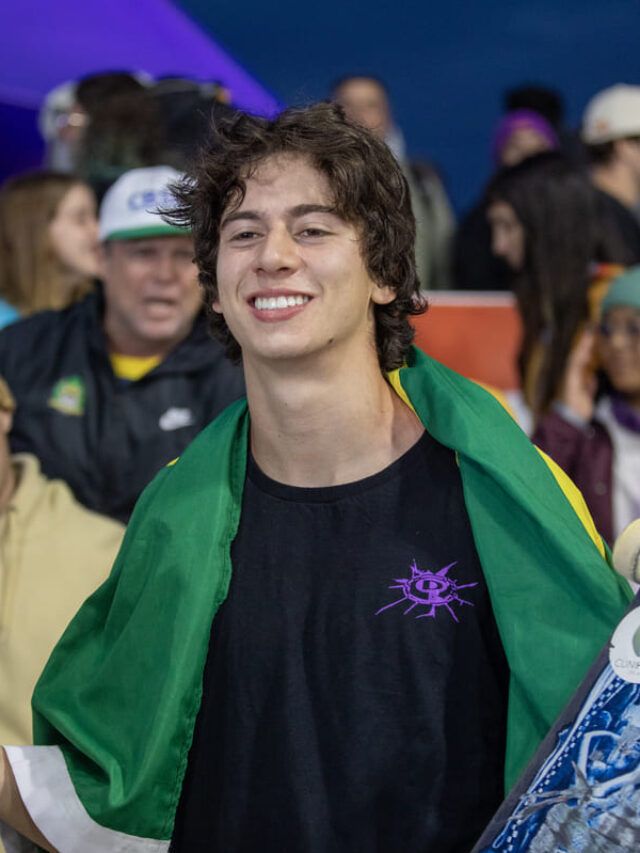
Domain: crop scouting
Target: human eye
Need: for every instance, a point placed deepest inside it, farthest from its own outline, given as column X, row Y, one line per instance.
column 143, row 252
column 244, row 235
column 314, row 232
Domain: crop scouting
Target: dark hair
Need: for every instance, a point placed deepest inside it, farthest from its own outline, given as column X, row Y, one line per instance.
column 124, row 130
column 369, row 191
column 541, row 99
column 558, row 209
column 600, row 154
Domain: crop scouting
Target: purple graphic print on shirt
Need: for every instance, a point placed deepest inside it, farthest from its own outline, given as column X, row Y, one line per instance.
column 429, row 589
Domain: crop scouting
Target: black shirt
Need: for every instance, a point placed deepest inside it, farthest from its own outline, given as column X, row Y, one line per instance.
column 355, row 689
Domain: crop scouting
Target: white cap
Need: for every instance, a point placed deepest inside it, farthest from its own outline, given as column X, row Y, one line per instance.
column 132, row 206
column 613, row 113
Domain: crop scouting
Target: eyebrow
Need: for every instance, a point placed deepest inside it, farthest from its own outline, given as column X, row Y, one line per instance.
column 298, row 210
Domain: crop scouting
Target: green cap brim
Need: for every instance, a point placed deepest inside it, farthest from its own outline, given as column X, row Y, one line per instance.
column 163, row 230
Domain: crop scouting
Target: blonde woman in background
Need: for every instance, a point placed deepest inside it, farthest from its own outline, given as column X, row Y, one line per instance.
column 48, row 241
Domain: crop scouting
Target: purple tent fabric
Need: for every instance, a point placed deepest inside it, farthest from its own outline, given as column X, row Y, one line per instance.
column 44, row 43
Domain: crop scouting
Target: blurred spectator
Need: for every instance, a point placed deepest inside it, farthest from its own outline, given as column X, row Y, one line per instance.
column 187, row 109
column 519, row 134
column 597, row 440
column 365, row 100
column 611, row 133
column 61, row 122
column 116, row 386
column 548, row 103
column 54, row 554
column 545, row 224
column 122, row 130
column 48, row 241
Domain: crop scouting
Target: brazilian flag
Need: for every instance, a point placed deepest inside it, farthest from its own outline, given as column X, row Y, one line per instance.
column 116, row 706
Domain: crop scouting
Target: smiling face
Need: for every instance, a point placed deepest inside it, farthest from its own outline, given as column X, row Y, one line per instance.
column 151, row 294
column 292, row 281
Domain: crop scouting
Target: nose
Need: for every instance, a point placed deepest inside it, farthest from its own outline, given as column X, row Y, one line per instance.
column 165, row 268
column 278, row 252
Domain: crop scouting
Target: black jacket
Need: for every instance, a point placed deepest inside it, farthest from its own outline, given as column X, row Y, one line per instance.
column 106, row 437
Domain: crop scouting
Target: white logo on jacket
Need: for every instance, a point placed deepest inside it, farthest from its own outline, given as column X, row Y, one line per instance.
column 175, row 418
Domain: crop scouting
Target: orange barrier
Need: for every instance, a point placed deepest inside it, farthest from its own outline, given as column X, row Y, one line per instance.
column 477, row 334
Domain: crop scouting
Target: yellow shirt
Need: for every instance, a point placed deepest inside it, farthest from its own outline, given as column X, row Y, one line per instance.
column 133, row 367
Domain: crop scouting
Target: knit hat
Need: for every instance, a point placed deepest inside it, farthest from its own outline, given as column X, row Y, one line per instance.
column 522, row 120
column 132, row 208
column 624, row 291
column 613, row 113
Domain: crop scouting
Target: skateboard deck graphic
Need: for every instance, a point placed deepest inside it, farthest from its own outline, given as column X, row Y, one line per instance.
column 581, row 792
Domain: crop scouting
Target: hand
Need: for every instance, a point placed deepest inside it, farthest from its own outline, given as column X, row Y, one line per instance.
column 580, row 383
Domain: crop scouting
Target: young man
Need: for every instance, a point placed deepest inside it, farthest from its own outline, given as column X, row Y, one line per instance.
column 352, row 609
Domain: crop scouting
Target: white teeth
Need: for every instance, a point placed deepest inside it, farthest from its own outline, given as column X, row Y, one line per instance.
column 271, row 303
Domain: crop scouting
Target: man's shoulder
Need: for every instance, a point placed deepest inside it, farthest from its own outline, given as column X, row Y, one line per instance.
column 23, row 333
column 51, row 501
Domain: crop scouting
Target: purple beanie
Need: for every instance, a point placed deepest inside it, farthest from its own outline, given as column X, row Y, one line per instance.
column 518, row 120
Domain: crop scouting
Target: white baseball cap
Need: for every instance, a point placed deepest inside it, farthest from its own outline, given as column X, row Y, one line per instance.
column 613, row 113
column 131, row 208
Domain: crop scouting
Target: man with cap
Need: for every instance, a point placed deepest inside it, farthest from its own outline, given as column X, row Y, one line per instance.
column 114, row 387
column 611, row 133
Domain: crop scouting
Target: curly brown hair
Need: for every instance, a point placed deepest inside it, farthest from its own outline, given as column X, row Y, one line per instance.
column 369, row 192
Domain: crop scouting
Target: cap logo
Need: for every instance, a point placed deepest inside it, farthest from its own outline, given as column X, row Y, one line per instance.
column 150, row 200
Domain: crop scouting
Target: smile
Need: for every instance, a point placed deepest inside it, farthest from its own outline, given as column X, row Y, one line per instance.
column 275, row 303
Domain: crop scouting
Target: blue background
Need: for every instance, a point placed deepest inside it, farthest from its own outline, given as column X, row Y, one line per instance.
column 446, row 64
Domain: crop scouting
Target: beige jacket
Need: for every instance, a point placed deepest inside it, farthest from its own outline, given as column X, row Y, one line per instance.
column 53, row 554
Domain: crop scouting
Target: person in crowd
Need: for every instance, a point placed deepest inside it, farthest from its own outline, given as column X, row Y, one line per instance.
column 123, row 127
column 548, row 103
column 253, row 675
column 611, row 133
column 54, row 554
column 112, row 388
column 61, row 122
column 593, row 429
column 545, row 224
column 188, row 108
column 520, row 134
column 48, row 241
column 365, row 99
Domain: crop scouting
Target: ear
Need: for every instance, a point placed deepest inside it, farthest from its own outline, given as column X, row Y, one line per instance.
column 216, row 306
column 382, row 294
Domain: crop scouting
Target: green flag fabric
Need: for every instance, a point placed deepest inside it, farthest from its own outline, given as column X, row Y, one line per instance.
column 120, row 694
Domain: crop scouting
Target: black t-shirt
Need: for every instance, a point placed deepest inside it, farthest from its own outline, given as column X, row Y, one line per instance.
column 355, row 689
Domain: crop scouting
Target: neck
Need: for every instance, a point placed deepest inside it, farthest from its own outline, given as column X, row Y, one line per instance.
column 334, row 424
column 123, row 344
column 617, row 180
